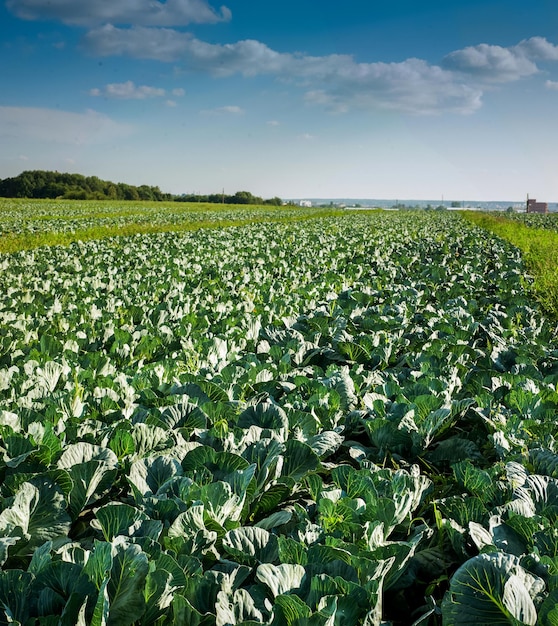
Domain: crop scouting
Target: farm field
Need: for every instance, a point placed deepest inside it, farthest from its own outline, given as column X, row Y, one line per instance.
column 546, row 221
column 27, row 224
column 338, row 420
column 536, row 235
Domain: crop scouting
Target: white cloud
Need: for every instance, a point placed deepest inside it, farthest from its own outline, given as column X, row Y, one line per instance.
column 491, row 63
column 336, row 81
column 551, row 84
column 139, row 12
column 161, row 44
column 538, row 48
column 54, row 126
column 147, row 29
column 499, row 64
column 412, row 86
column 273, row 123
column 171, row 103
column 228, row 109
column 235, row 110
column 128, row 91
column 248, row 57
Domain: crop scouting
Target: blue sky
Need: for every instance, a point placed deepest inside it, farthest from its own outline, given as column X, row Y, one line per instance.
column 361, row 98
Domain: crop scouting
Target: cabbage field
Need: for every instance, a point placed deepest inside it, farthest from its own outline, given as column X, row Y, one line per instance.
column 341, row 421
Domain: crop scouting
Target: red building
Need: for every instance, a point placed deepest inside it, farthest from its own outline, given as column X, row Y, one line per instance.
column 536, row 207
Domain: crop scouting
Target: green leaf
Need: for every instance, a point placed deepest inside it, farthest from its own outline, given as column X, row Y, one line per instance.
column 264, row 415
column 122, row 443
column 126, row 584
column 326, row 443
column 184, row 613
column 397, row 554
column 62, row 587
column 477, row 481
column 39, row 510
column 280, row 578
column 41, row 558
column 149, row 439
column 289, row 609
column 99, row 563
column 544, row 461
column 492, row 589
column 168, row 564
column 454, row 449
column 250, row 544
column 464, row 510
column 188, row 522
column 265, row 454
column 117, row 518
column 548, row 613
column 92, row 470
column 221, row 504
column 270, row 499
column 18, row 449
column 49, row 375
column 149, row 475
column 15, row 587
column 544, row 493
column 300, row 460
column 220, row 464
column 353, row 351
column 102, row 606
column 236, row 608
column 275, row 519
column 340, row 380
column 291, row 551
column 158, row 594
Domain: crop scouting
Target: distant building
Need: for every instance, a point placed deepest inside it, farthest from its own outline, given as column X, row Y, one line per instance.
column 305, row 203
column 536, row 207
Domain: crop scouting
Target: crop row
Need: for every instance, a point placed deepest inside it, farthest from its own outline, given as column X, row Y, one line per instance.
column 338, row 421
column 536, row 236
column 32, row 216
column 548, row 221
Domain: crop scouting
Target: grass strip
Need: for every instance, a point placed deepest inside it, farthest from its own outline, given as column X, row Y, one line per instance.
column 27, row 241
column 539, row 248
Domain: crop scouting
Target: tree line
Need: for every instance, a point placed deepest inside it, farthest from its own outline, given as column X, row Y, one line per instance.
column 45, row 184
column 240, row 197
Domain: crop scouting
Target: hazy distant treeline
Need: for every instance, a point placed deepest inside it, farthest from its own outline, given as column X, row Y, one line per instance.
column 240, row 197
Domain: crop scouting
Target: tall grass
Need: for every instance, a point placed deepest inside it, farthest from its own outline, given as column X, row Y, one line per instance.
column 539, row 248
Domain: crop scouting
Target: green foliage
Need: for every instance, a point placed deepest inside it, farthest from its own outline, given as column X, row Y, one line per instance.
column 492, row 589
column 44, row 184
column 344, row 420
column 537, row 238
column 239, row 198
column 27, row 224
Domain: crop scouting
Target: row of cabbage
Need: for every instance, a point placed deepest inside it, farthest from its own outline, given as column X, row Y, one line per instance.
column 19, row 217
column 338, row 422
column 545, row 221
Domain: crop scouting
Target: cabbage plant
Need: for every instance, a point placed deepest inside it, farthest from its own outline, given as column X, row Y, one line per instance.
column 341, row 421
